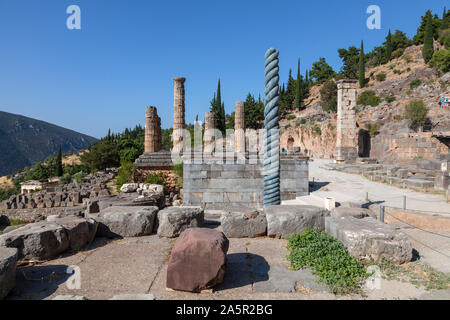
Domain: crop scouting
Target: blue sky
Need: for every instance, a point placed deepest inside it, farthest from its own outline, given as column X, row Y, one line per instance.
column 127, row 52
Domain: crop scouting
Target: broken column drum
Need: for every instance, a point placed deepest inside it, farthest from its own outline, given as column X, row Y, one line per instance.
column 152, row 130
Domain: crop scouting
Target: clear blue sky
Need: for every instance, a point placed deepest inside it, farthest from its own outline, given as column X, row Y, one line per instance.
column 127, row 52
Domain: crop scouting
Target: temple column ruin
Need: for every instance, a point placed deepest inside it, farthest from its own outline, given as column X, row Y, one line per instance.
column 239, row 127
column 346, row 143
column 209, row 137
column 178, row 114
column 152, row 142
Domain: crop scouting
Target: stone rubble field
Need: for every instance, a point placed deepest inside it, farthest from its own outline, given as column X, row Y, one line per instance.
column 129, row 251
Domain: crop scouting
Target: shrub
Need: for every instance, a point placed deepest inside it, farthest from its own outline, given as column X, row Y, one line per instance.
column 398, row 53
column 441, row 61
column 381, row 76
column 390, row 99
column 317, row 130
column 291, row 117
column 328, row 259
column 125, row 174
column 398, row 117
column 373, row 129
column 408, row 69
column 396, row 71
column 301, row 121
column 328, row 96
column 415, row 83
column 408, row 58
column 368, row 98
column 416, row 113
column 178, row 169
column 155, row 178
column 65, row 179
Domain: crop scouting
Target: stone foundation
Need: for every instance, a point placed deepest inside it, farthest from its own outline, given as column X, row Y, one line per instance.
column 212, row 183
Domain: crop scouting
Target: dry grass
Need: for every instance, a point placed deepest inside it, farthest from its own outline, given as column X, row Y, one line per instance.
column 6, row 183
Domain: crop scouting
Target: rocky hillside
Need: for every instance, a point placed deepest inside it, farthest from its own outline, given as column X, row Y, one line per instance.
column 315, row 129
column 25, row 141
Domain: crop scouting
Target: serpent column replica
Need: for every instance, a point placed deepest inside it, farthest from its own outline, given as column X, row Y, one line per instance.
column 271, row 131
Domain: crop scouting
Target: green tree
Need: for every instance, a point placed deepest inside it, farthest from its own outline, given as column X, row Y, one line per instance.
column 328, row 96
column 218, row 107
column 389, row 48
column 350, row 60
column 428, row 50
column 298, row 89
column 104, row 154
column 441, row 61
column 254, row 113
column 321, row 71
column 419, row 38
column 362, row 67
column 445, row 19
column 59, row 166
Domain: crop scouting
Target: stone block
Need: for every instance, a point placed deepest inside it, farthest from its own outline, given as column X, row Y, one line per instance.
column 204, row 253
column 286, row 220
column 245, row 223
column 369, row 239
column 8, row 263
column 174, row 220
column 126, row 221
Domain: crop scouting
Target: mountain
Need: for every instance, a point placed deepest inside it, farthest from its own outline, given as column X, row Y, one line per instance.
column 25, row 141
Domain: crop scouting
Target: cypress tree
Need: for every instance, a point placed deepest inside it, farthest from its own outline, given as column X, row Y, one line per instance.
column 389, row 46
column 428, row 50
column 59, row 167
column 444, row 20
column 298, row 89
column 362, row 76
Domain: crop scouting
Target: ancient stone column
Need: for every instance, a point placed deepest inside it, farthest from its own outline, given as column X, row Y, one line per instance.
column 209, row 137
column 152, row 130
column 239, row 127
column 346, row 143
column 178, row 114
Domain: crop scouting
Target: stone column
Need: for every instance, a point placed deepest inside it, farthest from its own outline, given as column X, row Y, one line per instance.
column 346, row 143
column 239, row 127
column 178, row 114
column 152, row 130
column 209, row 137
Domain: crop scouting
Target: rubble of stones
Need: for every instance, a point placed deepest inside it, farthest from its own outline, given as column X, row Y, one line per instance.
column 422, row 174
column 93, row 187
column 139, row 210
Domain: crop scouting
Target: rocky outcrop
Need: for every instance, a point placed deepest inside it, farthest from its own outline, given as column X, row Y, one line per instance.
column 8, row 261
column 198, row 260
column 173, row 221
column 126, row 221
column 369, row 239
column 286, row 220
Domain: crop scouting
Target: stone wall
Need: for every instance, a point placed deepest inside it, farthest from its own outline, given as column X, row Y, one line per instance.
column 212, row 183
column 406, row 147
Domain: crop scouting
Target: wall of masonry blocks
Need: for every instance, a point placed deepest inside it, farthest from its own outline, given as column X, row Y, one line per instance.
column 234, row 183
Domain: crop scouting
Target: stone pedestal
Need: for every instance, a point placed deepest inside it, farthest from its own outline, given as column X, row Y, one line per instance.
column 346, row 144
column 152, row 130
column 178, row 114
column 239, row 127
column 209, row 137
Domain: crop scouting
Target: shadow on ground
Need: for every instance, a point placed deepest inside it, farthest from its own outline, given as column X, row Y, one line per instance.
column 315, row 186
column 40, row 282
column 244, row 269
